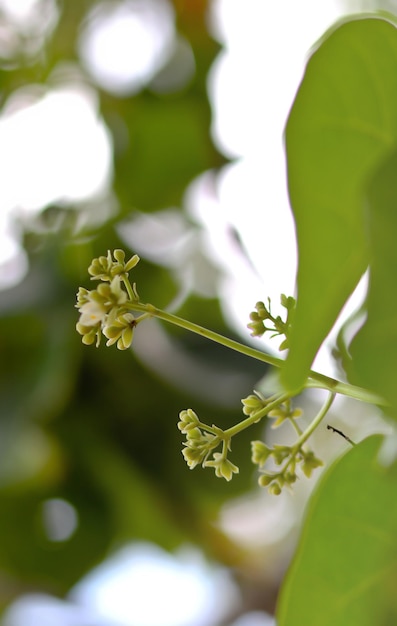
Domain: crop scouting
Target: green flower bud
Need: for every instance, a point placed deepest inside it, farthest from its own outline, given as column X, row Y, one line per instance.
column 134, row 260
column 82, row 297
column 193, row 457
column 185, row 427
column 252, row 403
column 264, row 480
column 89, row 334
column 194, row 434
column 100, row 267
column 188, row 416
column 105, row 268
column 274, row 489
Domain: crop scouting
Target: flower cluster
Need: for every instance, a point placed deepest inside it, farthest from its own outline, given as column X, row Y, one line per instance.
column 201, row 440
column 263, row 321
column 108, row 311
column 198, row 443
column 291, row 456
column 106, row 268
column 103, row 310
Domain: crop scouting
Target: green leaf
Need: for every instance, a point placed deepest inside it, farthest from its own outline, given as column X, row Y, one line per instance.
column 345, row 568
column 343, row 122
column 374, row 349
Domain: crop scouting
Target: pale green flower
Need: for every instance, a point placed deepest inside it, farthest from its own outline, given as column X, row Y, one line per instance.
column 119, row 328
column 194, row 456
column 259, row 453
column 310, row 462
column 92, row 313
column 223, row 467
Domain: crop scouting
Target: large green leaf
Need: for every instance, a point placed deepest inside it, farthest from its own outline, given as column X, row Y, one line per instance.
column 374, row 349
column 343, row 122
column 345, row 568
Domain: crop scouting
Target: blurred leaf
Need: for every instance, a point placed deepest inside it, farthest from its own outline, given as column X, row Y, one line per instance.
column 37, row 366
column 374, row 349
column 137, row 506
column 345, row 568
column 342, row 123
column 26, row 551
column 167, row 145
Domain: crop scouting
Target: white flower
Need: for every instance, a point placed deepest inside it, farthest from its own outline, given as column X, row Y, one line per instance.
column 92, row 313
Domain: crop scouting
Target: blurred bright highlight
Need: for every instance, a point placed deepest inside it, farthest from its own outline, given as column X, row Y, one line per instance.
column 125, row 43
column 54, row 149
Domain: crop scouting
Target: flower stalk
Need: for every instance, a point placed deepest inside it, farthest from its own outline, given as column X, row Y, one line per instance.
column 114, row 310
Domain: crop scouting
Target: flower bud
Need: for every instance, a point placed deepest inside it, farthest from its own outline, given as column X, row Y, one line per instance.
column 252, row 403
column 274, row 489
column 193, row 457
column 264, row 480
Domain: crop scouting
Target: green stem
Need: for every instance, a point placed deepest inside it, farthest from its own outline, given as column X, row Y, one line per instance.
column 295, row 426
column 128, row 287
column 306, row 434
column 255, row 417
column 316, row 421
column 315, row 379
column 225, row 445
column 213, row 430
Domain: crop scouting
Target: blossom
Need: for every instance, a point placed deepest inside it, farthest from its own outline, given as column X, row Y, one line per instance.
column 194, row 456
column 223, row 467
column 92, row 313
column 92, row 316
column 260, row 453
column 119, row 328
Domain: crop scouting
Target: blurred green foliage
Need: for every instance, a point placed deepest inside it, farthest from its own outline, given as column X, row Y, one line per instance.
column 97, row 427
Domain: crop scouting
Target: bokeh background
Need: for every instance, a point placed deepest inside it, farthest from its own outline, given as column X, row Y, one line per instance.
column 155, row 126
